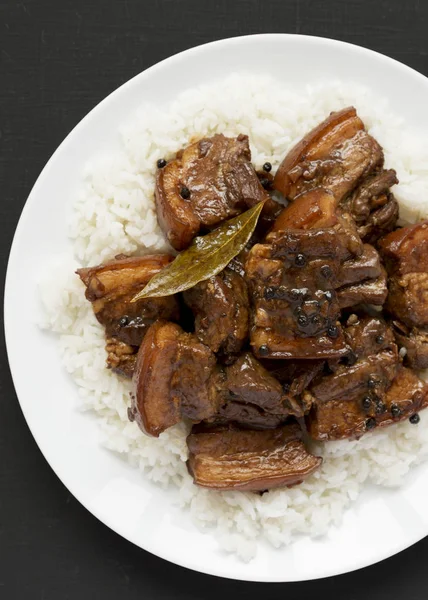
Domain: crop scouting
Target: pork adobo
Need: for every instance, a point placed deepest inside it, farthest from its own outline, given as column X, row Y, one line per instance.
column 415, row 342
column 221, row 308
column 405, row 252
column 229, row 458
column 308, row 328
column 334, row 156
column 360, row 396
column 373, row 206
column 295, row 306
column 248, row 395
column 170, row 377
column 208, row 182
column 110, row 288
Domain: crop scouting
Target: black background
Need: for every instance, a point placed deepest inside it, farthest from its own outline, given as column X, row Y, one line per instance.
column 58, row 59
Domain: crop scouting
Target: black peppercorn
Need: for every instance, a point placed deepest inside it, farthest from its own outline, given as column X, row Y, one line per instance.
column 370, row 423
column 316, row 319
column 326, row 271
column 351, row 358
column 161, row 163
column 300, row 260
column 185, row 192
column 265, row 183
column 371, row 383
column 124, row 321
column 366, row 403
column 380, row 339
column 269, row 293
column 267, row 167
column 333, row 331
column 414, row 419
column 263, row 350
column 302, row 320
column 395, row 411
column 328, row 295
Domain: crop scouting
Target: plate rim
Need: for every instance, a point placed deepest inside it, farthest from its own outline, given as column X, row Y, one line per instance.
column 163, row 553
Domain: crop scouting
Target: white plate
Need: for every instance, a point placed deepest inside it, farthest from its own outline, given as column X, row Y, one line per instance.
column 382, row 522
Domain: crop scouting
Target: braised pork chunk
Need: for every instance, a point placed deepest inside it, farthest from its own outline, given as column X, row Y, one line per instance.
column 295, row 311
column 405, row 252
column 294, row 276
column 228, row 458
column 112, row 286
column 371, row 389
column 209, row 181
column 221, row 308
column 415, row 342
column 171, row 379
column 248, row 395
column 335, row 156
column 373, row 206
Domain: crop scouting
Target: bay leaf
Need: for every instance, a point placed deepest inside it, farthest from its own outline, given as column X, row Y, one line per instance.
column 205, row 257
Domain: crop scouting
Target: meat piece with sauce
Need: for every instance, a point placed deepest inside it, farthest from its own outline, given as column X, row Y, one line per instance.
column 295, row 377
column 112, row 286
column 336, row 155
column 347, row 417
column 371, row 390
column 292, row 282
column 318, row 209
column 408, row 299
column 209, row 181
column 407, row 395
column 248, row 395
column 368, row 291
column 171, row 379
column 221, row 308
column 415, row 342
column 362, row 280
column 405, row 252
column 232, row 459
column 373, row 206
column 314, row 209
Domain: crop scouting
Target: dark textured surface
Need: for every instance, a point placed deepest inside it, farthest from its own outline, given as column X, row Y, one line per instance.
column 58, row 58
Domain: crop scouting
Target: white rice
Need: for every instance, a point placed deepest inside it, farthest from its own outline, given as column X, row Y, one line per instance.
column 115, row 213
